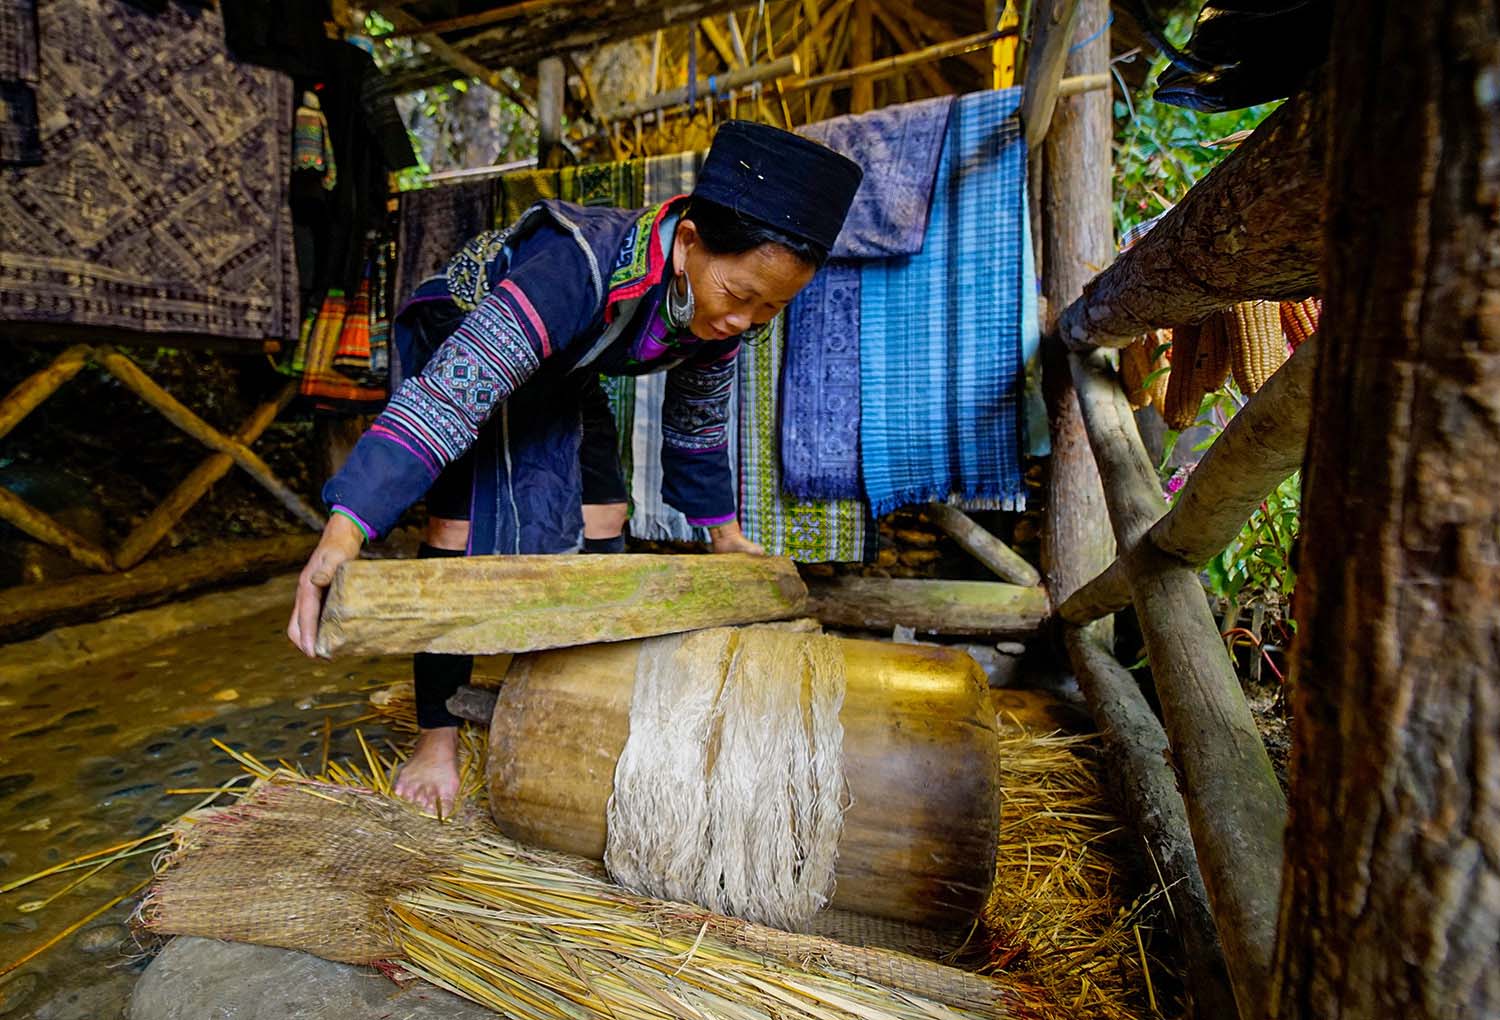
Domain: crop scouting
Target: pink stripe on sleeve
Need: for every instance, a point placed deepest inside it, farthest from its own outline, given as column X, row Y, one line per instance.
column 526, row 307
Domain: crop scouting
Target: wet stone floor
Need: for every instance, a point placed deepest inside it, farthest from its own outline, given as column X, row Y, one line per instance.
column 87, row 760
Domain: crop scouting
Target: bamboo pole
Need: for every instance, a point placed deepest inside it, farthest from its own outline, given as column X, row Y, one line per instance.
column 31, row 391
column 894, row 65
column 904, row 39
column 1051, row 39
column 862, row 94
column 711, row 85
column 139, row 543
column 1261, row 447
column 1235, row 807
column 43, row 528
column 1248, row 230
column 174, row 411
column 983, row 546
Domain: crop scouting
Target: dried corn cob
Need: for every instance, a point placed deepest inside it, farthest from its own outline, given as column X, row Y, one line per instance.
column 1256, row 345
column 1134, row 360
column 1183, row 397
column 1299, row 319
column 1211, row 358
column 1158, row 346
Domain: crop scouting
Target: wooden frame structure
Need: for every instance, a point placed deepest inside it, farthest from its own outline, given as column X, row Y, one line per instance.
column 227, row 451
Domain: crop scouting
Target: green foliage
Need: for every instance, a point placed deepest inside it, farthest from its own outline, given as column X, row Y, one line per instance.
column 1160, row 150
column 1257, row 566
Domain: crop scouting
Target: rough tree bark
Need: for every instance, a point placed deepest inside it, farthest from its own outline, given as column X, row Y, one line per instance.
column 1391, row 900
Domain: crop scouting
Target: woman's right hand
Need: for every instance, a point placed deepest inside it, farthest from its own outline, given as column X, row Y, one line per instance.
column 340, row 543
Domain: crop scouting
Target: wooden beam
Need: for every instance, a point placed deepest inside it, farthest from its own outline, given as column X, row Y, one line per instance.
column 125, row 370
column 934, row 79
column 551, row 90
column 1051, row 40
column 1246, row 231
column 1235, row 806
column 44, row 528
column 733, row 80
column 862, row 96
column 483, row 605
column 1261, row 447
column 29, row 609
column 29, row 393
column 961, row 608
column 895, row 65
column 510, row 12
column 1139, row 771
column 719, row 41
column 983, row 546
column 464, row 64
column 139, row 543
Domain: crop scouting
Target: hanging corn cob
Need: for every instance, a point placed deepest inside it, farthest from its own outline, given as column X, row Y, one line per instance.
column 1257, row 346
column 1299, row 319
column 1211, row 358
column 1158, row 344
column 1183, row 396
column 1135, row 361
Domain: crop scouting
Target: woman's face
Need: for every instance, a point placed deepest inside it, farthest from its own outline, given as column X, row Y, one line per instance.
column 732, row 293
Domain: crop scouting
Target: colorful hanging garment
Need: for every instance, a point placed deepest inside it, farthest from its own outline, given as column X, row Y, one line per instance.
column 809, row 531
column 940, row 340
column 380, row 312
column 353, row 351
column 898, row 147
column 340, row 326
column 522, row 190
column 312, row 150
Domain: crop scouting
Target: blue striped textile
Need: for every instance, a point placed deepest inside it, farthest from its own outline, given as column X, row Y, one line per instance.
column 940, row 331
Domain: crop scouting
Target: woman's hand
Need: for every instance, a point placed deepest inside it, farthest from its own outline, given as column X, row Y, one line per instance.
column 728, row 538
column 340, row 543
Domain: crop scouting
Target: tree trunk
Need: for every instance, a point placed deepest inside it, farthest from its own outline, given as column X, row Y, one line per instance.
column 990, row 609
column 1391, row 900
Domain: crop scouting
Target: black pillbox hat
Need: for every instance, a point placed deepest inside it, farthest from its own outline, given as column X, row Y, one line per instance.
column 782, row 180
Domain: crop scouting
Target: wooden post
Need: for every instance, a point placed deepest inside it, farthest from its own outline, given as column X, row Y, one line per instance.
column 174, row 411
column 1247, row 231
column 1391, row 904
column 1077, row 542
column 1260, row 449
column 1235, row 806
column 139, row 543
column 1051, row 39
column 31, row 391
column 1000, row 558
column 551, row 82
column 44, row 528
column 862, row 96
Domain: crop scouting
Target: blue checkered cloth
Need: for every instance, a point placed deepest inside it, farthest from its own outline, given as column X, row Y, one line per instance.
column 940, row 331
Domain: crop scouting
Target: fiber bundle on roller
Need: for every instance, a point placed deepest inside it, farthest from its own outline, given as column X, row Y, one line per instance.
column 919, row 793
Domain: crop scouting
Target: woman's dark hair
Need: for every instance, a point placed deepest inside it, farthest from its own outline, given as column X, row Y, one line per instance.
column 726, row 232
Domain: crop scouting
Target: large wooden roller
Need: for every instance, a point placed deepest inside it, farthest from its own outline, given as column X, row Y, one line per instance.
column 920, row 752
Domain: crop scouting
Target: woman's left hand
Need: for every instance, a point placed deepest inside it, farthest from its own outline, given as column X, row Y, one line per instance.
column 728, row 538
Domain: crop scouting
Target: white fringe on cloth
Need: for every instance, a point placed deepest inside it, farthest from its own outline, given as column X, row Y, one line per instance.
column 730, row 791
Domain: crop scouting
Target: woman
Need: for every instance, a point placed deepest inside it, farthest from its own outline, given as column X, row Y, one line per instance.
column 502, row 428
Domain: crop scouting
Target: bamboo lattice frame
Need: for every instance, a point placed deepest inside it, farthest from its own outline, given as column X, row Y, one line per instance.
column 228, row 450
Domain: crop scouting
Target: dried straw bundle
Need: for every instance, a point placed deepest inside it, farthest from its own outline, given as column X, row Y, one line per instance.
column 526, row 933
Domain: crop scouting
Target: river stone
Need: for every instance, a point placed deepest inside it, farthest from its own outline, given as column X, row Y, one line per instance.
column 195, row 978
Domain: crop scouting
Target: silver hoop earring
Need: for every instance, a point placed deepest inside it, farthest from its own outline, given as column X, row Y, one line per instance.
column 679, row 307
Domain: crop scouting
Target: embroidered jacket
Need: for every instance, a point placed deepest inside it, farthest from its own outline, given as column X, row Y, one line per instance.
column 541, row 314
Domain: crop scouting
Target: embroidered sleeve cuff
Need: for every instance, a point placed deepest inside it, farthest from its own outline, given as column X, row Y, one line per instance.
column 344, row 511
column 710, row 522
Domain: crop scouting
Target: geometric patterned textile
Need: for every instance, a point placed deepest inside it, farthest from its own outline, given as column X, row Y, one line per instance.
column 809, row 531
column 940, row 364
column 161, row 204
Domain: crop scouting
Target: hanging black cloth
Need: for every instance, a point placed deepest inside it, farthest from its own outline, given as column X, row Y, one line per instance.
column 20, row 134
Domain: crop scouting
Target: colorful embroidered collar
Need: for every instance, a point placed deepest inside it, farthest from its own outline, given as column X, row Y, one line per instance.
column 642, row 261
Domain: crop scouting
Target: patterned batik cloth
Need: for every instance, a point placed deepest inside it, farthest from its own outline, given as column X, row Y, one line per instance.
column 436, row 222
column 522, row 190
column 898, row 147
column 650, row 517
column 808, row 531
column 940, row 331
column 162, row 205
column 20, row 134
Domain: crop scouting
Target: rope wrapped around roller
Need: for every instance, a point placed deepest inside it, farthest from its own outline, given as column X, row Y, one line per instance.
column 730, row 792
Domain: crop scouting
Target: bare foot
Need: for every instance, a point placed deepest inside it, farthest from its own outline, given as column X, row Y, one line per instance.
column 429, row 779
